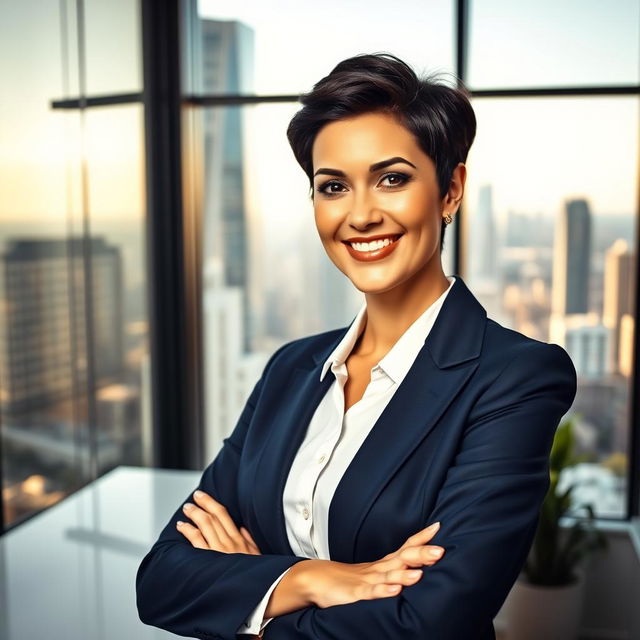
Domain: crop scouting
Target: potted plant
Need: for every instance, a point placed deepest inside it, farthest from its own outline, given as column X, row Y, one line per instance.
column 546, row 600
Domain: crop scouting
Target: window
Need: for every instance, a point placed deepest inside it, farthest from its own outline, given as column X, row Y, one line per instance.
column 550, row 230
column 92, row 169
column 73, row 318
column 266, row 278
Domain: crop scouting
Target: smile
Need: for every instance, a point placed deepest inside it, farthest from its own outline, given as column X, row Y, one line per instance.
column 370, row 251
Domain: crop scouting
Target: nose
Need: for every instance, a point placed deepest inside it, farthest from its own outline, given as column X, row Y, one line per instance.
column 364, row 211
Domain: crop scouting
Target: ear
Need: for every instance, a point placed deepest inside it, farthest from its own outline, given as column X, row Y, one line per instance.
column 453, row 197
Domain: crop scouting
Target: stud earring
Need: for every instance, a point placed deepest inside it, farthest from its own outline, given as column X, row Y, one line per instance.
column 448, row 219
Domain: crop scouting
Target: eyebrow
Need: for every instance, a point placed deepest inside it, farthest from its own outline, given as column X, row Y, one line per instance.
column 376, row 166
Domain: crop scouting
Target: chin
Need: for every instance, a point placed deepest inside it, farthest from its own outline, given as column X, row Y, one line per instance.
column 374, row 287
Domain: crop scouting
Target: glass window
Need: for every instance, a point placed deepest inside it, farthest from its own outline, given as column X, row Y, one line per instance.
column 544, row 43
column 244, row 51
column 112, row 46
column 549, row 229
column 115, row 156
column 267, row 278
column 73, row 322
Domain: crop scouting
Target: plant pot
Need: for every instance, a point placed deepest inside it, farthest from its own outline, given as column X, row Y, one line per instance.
column 553, row 613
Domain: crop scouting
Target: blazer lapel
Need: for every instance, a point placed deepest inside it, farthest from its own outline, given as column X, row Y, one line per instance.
column 446, row 361
column 299, row 400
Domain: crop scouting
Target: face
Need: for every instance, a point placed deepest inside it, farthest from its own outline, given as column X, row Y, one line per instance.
column 372, row 181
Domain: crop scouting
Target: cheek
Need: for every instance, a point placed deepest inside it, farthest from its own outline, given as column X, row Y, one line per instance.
column 417, row 214
column 326, row 221
column 413, row 208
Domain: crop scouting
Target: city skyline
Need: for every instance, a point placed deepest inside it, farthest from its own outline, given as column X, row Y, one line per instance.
column 266, row 278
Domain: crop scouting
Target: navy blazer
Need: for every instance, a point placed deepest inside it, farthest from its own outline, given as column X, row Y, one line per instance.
column 464, row 440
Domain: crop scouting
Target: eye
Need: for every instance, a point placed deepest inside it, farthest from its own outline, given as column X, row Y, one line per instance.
column 399, row 179
column 329, row 183
column 404, row 178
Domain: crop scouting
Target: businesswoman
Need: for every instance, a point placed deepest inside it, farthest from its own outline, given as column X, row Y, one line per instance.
column 423, row 425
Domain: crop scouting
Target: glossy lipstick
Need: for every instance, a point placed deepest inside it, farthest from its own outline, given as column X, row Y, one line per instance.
column 378, row 254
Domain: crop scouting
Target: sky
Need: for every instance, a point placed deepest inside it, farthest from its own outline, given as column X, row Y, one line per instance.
column 534, row 151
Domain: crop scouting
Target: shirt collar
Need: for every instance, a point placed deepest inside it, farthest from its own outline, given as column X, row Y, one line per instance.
column 397, row 362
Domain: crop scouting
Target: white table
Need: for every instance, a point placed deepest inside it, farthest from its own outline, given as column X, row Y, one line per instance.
column 68, row 573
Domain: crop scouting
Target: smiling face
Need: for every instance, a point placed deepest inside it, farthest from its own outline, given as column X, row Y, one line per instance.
column 372, row 181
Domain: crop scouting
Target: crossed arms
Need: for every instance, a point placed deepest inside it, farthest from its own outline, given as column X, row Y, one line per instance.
column 488, row 506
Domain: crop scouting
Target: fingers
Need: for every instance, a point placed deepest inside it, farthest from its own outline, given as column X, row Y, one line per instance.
column 390, row 583
column 385, row 590
column 247, row 536
column 245, row 532
column 422, row 536
column 205, row 523
column 402, row 576
column 192, row 534
column 228, row 530
column 412, row 557
column 216, row 526
column 421, row 555
column 213, row 530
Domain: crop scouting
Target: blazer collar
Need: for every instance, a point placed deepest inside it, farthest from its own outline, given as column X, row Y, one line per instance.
column 424, row 394
column 456, row 335
column 397, row 361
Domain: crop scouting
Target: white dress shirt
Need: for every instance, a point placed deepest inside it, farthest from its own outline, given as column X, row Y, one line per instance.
column 334, row 437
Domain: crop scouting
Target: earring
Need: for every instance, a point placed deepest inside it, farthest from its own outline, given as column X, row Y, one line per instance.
column 448, row 219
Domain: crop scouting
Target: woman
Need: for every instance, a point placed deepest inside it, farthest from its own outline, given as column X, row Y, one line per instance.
column 313, row 517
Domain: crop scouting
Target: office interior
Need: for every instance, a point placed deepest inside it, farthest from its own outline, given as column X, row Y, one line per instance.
column 157, row 246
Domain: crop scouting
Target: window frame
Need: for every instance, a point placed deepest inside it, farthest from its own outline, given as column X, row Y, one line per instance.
column 173, row 255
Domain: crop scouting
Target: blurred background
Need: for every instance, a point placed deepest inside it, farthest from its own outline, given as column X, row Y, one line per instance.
column 157, row 242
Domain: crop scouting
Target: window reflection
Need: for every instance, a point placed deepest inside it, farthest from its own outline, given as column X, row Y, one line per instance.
column 73, row 319
column 550, row 235
column 266, row 277
column 244, row 49
column 544, row 43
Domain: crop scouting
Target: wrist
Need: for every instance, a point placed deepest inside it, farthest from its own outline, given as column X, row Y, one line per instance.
column 303, row 576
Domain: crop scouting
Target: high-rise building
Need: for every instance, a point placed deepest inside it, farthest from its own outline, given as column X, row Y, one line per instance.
column 43, row 319
column 588, row 342
column 571, row 259
column 618, row 293
column 227, row 67
column 224, row 63
column 483, row 246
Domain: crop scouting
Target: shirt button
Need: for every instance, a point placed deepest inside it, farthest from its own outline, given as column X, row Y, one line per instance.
column 305, row 513
column 321, row 459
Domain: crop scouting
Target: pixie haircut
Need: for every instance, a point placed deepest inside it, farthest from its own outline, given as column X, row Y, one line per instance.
column 439, row 116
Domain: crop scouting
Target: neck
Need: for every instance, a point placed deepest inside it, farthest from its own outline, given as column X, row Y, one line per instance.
column 390, row 313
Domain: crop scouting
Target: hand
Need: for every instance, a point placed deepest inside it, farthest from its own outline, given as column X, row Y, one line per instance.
column 214, row 528
column 332, row 583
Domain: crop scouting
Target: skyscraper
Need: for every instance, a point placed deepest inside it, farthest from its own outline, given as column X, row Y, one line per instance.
column 227, row 67
column 618, row 293
column 483, row 246
column 571, row 259
column 43, row 319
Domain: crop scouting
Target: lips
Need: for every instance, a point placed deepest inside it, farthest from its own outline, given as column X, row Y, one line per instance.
column 377, row 254
column 381, row 236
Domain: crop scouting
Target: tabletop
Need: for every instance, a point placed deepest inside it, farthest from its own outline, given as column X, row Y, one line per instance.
column 69, row 571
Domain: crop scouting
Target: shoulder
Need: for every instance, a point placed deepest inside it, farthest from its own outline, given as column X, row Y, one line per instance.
column 506, row 344
column 513, row 358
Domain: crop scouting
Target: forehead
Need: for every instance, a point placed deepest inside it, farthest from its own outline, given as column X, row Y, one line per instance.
column 363, row 139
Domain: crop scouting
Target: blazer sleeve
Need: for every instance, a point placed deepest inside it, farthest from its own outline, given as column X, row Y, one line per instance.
column 203, row 593
column 488, row 506
column 256, row 621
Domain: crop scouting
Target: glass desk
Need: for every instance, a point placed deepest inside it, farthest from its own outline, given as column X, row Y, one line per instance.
column 68, row 573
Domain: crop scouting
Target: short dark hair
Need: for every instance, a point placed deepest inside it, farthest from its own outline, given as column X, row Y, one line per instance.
column 440, row 116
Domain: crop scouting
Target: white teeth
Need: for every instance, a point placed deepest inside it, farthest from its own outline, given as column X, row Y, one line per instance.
column 371, row 246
